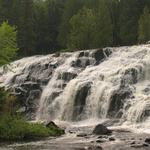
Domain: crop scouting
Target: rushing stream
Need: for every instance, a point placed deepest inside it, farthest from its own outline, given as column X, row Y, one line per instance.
column 85, row 86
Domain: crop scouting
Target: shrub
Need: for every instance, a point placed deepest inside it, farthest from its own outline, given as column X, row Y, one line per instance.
column 13, row 129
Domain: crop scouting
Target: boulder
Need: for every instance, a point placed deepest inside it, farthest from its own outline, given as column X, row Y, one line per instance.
column 101, row 130
column 51, row 124
column 101, row 54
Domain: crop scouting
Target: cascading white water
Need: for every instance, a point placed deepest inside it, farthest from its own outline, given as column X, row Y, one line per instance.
column 89, row 85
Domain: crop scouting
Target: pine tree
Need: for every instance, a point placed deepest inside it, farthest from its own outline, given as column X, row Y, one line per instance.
column 144, row 26
column 82, row 32
column 47, row 17
column 8, row 44
column 26, row 34
column 113, row 7
column 103, row 34
column 71, row 7
column 130, row 11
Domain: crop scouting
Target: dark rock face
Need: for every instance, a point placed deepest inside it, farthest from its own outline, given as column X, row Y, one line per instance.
column 80, row 100
column 132, row 75
column 28, row 94
column 67, row 76
column 101, row 130
column 32, row 100
column 80, row 63
column 101, row 54
column 117, row 101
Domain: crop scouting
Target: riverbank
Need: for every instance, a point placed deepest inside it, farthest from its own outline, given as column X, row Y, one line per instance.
column 74, row 139
column 18, row 129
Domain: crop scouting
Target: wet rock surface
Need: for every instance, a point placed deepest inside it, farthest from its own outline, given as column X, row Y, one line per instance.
column 100, row 129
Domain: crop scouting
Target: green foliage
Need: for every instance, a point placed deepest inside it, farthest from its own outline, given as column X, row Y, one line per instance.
column 8, row 103
column 25, row 24
column 104, row 26
column 130, row 11
column 2, row 98
column 47, row 14
column 12, row 129
column 82, row 32
column 144, row 26
column 44, row 25
column 8, row 45
column 71, row 7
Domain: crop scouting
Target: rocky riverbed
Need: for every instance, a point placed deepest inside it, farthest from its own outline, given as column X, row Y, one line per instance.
column 82, row 138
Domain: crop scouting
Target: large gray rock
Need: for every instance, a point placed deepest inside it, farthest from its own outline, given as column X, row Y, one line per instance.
column 101, row 130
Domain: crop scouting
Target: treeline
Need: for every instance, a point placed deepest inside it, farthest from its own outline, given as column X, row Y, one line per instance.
column 47, row 26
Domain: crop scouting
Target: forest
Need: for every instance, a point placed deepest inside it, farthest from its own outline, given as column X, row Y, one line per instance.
column 48, row 26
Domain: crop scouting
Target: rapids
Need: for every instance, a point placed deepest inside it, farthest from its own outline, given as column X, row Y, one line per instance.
column 85, row 86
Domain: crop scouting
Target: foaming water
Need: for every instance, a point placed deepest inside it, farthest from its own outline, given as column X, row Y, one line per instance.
column 87, row 87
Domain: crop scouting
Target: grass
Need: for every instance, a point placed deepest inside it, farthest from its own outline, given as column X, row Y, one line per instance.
column 16, row 128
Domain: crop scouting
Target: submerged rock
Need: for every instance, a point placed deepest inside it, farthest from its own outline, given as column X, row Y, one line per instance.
column 101, row 130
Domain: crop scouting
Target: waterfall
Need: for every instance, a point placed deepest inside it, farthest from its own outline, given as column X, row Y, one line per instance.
column 109, row 83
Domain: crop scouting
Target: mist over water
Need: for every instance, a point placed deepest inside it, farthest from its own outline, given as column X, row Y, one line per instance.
column 110, row 83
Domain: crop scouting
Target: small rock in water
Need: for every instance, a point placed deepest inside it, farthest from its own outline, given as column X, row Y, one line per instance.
column 111, row 139
column 71, row 132
column 147, row 140
column 101, row 130
column 82, row 135
column 100, row 141
column 95, row 148
column 132, row 143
